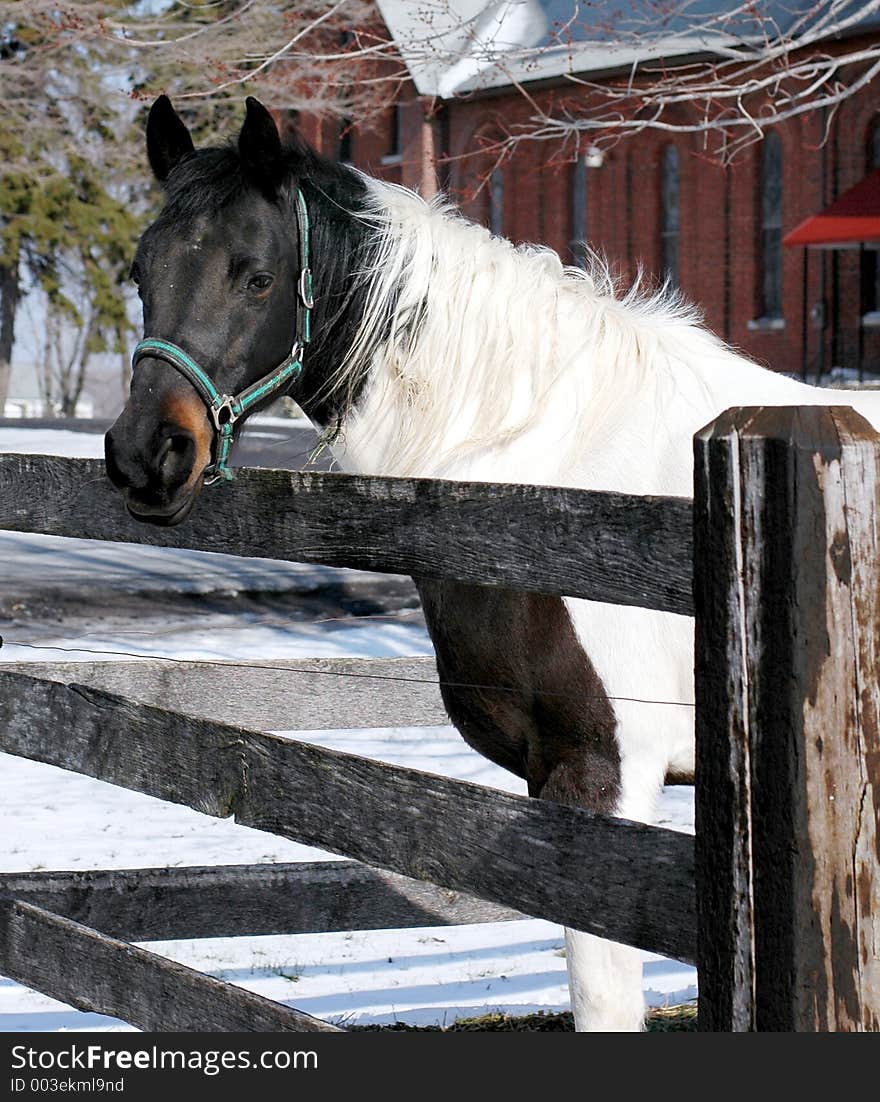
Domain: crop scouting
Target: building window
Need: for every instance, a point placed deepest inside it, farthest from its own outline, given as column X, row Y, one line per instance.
column 496, row 201
column 395, row 140
column 871, row 256
column 343, row 140
column 578, row 241
column 771, row 227
column 670, row 221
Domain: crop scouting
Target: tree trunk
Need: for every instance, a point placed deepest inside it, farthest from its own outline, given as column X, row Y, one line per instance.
column 9, row 296
column 74, row 377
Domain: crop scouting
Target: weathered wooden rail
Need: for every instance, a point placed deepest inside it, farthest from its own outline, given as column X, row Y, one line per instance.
column 94, row 972
column 533, row 855
column 604, row 547
column 305, row 897
column 785, row 578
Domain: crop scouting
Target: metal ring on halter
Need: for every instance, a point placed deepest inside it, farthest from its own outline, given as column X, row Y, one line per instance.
column 212, row 475
column 225, row 406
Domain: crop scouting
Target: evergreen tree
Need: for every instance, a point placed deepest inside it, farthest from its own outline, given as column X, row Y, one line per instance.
column 75, row 82
column 67, row 216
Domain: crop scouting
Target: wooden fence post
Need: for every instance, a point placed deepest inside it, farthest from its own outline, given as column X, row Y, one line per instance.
column 787, row 562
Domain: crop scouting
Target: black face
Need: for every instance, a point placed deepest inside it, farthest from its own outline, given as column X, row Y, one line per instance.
column 218, row 274
column 219, row 280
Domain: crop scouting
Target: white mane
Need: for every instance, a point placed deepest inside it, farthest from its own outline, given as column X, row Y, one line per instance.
column 503, row 364
column 484, row 332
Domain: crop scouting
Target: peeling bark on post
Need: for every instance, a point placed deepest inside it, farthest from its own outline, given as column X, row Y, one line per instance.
column 787, row 546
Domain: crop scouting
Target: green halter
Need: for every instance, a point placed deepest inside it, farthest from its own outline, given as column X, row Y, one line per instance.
column 226, row 409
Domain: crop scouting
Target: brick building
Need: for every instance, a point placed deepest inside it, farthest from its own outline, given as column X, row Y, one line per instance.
column 653, row 201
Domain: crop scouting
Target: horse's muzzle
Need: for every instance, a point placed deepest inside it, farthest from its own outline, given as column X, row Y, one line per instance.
column 157, row 482
column 161, row 518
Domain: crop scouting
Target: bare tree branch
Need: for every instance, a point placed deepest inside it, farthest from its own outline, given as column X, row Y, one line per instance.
column 669, row 65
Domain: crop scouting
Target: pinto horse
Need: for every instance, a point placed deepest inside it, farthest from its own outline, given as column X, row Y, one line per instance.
column 420, row 344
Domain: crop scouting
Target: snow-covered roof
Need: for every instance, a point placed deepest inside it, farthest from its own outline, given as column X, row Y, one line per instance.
column 456, row 46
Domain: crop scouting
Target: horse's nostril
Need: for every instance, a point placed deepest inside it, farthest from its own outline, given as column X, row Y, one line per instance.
column 175, row 458
column 163, row 451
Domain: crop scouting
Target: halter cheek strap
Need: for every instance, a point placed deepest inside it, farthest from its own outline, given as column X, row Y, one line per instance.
column 227, row 409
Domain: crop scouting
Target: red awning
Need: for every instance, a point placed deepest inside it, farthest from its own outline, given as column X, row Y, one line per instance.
column 853, row 219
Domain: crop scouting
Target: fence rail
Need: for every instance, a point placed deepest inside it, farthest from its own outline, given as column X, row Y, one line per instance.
column 94, row 972
column 603, row 547
column 560, row 863
column 235, row 900
column 302, row 694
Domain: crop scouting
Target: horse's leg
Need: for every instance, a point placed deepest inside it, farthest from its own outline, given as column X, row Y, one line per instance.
column 551, row 721
column 647, row 656
column 604, row 977
column 605, row 984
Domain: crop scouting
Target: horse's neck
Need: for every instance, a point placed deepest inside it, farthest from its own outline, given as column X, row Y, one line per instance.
column 519, row 374
column 595, row 437
column 593, row 431
column 641, row 445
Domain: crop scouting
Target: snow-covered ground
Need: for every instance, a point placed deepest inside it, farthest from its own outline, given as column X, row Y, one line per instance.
column 90, row 445
column 84, row 445
column 50, row 819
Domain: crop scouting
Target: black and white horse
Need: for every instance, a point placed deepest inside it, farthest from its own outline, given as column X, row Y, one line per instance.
column 440, row 350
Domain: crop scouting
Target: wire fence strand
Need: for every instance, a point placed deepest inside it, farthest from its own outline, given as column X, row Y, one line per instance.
column 310, row 672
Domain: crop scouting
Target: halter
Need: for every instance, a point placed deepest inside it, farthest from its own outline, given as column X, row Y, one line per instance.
column 226, row 409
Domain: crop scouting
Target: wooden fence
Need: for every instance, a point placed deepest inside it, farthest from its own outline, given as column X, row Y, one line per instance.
column 777, row 901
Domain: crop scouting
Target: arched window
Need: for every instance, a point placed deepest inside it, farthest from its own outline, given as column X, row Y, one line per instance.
column 578, row 240
column 671, row 218
column 771, row 227
column 496, row 201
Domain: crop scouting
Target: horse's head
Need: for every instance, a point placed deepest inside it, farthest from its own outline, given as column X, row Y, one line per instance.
column 225, row 307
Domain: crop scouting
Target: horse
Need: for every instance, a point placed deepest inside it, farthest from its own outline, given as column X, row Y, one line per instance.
column 420, row 344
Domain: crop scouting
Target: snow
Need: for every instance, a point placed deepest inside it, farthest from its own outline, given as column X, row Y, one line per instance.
column 218, row 640
column 51, row 819
column 49, row 564
column 81, row 445
column 90, row 445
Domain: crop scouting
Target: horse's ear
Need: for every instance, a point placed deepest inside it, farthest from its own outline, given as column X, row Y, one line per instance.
column 168, row 140
column 259, row 147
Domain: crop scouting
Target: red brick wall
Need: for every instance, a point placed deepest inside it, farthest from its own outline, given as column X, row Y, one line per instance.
column 720, row 262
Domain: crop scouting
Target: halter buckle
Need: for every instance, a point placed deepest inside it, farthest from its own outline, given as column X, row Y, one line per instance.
column 211, row 475
column 224, row 414
column 305, row 288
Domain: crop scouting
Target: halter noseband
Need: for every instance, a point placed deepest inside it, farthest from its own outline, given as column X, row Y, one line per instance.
column 226, row 409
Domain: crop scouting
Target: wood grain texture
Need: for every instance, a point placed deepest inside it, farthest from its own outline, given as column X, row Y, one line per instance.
column 247, row 900
column 302, row 694
column 627, row 881
column 93, row 972
column 600, row 546
column 798, row 712
column 722, row 797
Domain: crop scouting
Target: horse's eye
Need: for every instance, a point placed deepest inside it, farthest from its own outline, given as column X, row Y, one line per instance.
column 135, row 275
column 262, row 281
